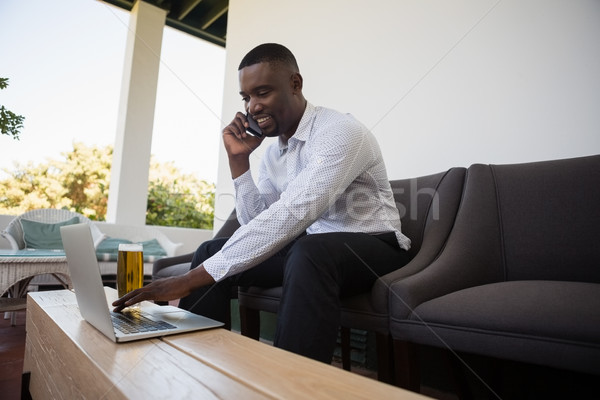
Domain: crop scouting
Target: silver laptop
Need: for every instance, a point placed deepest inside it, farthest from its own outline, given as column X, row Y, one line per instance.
column 147, row 320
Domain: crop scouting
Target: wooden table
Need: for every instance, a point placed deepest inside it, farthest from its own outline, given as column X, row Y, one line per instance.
column 68, row 358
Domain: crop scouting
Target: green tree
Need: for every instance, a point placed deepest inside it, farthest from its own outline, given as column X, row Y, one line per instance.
column 176, row 199
column 10, row 123
column 80, row 183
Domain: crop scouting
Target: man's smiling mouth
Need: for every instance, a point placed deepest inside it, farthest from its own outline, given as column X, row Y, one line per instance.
column 263, row 119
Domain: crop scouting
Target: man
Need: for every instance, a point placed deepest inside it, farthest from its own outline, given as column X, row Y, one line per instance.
column 321, row 220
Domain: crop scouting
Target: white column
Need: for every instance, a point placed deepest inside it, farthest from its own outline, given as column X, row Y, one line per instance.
column 131, row 158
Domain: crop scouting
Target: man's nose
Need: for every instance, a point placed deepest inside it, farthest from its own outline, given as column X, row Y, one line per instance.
column 254, row 106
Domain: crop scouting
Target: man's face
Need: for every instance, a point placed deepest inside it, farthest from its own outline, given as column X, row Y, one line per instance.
column 271, row 94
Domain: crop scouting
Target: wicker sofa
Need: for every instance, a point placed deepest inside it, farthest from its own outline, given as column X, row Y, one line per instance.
column 102, row 233
column 135, row 234
column 14, row 231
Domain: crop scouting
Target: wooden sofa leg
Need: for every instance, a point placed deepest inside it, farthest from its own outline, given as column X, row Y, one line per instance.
column 385, row 358
column 25, row 378
column 250, row 322
column 407, row 374
column 456, row 371
column 346, row 349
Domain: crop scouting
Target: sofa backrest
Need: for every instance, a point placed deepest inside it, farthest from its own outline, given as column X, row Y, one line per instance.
column 549, row 219
column 139, row 234
column 229, row 227
column 14, row 230
column 427, row 206
column 537, row 220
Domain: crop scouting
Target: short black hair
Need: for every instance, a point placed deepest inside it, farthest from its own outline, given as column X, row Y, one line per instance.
column 269, row 52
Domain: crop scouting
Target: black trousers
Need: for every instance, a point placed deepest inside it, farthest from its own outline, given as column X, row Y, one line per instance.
column 316, row 271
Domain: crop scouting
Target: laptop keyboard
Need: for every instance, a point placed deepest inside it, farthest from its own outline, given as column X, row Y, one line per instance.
column 134, row 321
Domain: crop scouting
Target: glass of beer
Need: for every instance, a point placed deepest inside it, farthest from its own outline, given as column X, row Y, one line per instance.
column 130, row 268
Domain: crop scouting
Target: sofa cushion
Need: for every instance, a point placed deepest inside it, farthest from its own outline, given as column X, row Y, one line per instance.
column 551, row 309
column 40, row 235
column 173, row 270
column 110, row 246
column 265, row 299
column 108, row 249
column 551, row 323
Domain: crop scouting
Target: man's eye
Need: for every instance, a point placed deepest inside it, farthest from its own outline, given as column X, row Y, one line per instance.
column 245, row 99
column 263, row 93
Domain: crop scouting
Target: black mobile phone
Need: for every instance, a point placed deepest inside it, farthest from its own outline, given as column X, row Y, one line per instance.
column 253, row 128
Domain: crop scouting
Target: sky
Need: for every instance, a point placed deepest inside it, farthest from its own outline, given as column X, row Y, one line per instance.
column 64, row 60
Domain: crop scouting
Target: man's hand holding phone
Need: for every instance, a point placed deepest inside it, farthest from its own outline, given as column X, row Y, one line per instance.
column 253, row 128
column 239, row 143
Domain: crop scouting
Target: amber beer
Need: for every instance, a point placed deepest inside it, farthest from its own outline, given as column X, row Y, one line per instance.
column 130, row 268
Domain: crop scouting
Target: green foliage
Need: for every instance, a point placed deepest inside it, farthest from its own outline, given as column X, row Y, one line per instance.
column 81, row 181
column 10, row 123
column 173, row 206
column 175, row 199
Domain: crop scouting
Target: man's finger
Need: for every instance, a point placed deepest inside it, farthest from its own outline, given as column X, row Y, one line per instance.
column 128, row 299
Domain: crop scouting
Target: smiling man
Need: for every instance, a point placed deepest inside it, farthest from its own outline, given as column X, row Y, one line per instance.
column 320, row 220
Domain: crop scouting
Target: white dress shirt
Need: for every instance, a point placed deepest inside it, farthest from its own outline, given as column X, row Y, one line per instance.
column 329, row 177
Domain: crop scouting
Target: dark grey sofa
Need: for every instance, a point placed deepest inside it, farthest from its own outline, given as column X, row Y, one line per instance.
column 427, row 206
column 519, row 278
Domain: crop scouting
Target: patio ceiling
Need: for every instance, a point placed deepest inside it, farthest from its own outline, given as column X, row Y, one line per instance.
column 206, row 19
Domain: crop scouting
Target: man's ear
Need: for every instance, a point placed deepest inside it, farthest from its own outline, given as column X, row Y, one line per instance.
column 296, row 82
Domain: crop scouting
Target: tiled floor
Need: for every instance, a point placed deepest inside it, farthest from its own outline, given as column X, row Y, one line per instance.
column 12, row 351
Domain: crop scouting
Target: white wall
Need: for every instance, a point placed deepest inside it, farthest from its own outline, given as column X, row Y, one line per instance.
column 440, row 83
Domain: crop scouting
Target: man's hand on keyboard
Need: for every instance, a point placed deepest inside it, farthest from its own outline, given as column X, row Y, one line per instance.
column 166, row 289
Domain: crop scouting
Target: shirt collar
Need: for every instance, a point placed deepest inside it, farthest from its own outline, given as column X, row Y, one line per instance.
column 304, row 126
column 282, row 147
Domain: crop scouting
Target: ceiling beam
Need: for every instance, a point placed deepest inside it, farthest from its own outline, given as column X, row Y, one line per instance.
column 180, row 9
column 184, row 8
column 202, row 34
column 214, row 14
